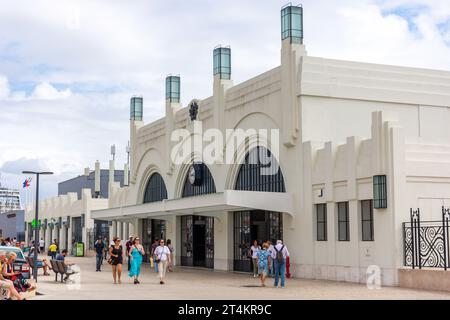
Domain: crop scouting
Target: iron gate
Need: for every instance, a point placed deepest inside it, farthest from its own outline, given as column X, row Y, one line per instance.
column 426, row 243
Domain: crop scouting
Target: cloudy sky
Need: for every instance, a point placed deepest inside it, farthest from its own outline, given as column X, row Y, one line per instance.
column 68, row 68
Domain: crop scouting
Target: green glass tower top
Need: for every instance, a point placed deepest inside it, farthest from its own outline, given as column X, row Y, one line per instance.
column 136, row 108
column 222, row 62
column 173, row 88
column 292, row 23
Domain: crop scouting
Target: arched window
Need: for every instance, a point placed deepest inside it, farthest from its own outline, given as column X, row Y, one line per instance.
column 260, row 172
column 201, row 181
column 155, row 189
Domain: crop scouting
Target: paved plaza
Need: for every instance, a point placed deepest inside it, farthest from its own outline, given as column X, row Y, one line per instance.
column 186, row 283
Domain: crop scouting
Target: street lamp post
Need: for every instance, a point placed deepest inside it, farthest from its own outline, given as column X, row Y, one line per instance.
column 37, row 226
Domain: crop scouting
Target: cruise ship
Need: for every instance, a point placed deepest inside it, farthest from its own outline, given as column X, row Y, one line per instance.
column 9, row 199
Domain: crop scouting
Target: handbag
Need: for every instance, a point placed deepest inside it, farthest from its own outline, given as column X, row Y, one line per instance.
column 157, row 259
column 110, row 260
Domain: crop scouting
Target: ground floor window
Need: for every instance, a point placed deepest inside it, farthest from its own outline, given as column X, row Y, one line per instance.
column 101, row 229
column 254, row 225
column 197, row 241
column 343, row 222
column 321, row 221
column 77, row 230
column 152, row 229
column 367, row 220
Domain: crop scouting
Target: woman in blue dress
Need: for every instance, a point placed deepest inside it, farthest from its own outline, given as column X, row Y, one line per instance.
column 136, row 253
column 263, row 262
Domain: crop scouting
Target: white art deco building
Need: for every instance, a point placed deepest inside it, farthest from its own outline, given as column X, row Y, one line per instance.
column 359, row 145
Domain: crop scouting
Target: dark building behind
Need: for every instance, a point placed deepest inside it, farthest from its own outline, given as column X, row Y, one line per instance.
column 12, row 225
column 88, row 182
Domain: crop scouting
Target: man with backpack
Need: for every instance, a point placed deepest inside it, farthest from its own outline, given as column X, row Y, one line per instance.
column 279, row 255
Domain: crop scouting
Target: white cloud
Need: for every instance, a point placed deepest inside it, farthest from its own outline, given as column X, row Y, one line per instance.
column 46, row 91
column 4, row 87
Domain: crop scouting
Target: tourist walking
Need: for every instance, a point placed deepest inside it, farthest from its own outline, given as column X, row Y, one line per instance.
column 152, row 254
column 99, row 248
column 172, row 249
column 116, row 259
column 254, row 254
column 41, row 245
column 53, row 250
column 279, row 257
column 135, row 256
column 263, row 263
column 162, row 258
column 128, row 245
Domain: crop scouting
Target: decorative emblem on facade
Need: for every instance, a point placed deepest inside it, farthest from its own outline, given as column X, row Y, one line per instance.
column 193, row 110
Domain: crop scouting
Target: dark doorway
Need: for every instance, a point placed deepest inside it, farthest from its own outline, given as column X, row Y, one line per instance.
column 152, row 229
column 251, row 225
column 197, row 241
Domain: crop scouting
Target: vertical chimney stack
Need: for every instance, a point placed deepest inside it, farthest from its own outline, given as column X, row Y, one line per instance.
column 222, row 62
column 221, row 83
column 173, row 95
column 97, row 179
column 125, row 175
column 86, row 172
column 111, row 172
column 136, row 108
column 173, row 89
column 292, row 24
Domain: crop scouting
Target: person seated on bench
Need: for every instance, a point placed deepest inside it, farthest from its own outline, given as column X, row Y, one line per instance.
column 20, row 283
column 41, row 263
column 62, row 257
column 8, row 284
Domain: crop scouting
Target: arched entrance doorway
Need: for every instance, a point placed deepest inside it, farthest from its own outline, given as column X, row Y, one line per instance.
column 259, row 172
column 197, row 232
column 153, row 229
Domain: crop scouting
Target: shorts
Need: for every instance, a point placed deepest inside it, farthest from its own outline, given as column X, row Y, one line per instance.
column 5, row 283
column 263, row 271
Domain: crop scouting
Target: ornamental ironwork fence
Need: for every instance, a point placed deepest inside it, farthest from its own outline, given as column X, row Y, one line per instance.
column 426, row 243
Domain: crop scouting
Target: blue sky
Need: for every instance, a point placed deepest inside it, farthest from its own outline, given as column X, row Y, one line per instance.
column 68, row 68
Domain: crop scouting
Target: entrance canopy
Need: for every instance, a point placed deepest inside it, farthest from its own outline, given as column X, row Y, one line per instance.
column 229, row 200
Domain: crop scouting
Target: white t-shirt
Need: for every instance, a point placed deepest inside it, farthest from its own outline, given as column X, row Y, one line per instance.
column 162, row 252
column 41, row 243
column 254, row 251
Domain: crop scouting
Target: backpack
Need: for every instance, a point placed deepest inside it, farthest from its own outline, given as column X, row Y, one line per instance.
column 279, row 256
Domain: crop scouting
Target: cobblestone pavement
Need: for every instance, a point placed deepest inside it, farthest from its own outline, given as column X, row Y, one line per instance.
column 186, row 283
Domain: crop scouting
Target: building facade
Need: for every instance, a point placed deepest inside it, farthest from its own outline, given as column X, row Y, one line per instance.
column 67, row 217
column 334, row 156
column 9, row 199
column 87, row 181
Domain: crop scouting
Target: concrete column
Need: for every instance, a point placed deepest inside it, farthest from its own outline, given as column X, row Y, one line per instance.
column 131, row 229
column 355, row 231
column 113, row 232
column 127, row 229
column 223, row 242
column 47, row 238
column 172, row 234
column 62, row 238
column 97, row 177
column 125, row 175
column 69, row 235
column 332, row 239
